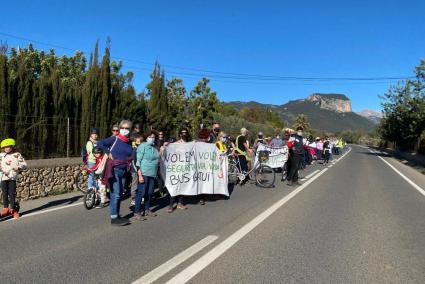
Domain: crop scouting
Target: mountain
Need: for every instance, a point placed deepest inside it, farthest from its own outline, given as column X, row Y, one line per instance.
column 372, row 115
column 325, row 112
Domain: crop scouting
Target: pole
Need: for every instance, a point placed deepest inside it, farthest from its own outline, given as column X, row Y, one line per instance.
column 67, row 139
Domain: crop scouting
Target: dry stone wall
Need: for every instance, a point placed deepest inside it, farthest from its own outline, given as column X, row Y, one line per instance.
column 48, row 177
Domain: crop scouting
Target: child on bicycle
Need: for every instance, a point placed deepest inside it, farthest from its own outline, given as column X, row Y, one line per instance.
column 97, row 169
column 11, row 164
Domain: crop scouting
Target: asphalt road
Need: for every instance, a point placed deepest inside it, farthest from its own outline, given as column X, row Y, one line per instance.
column 356, row 221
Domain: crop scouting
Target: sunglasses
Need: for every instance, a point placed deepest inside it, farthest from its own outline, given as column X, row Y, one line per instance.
column 125, row 128
column 115, row 130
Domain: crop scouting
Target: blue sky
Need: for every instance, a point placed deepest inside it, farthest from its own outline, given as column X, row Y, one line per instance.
column 278, row 38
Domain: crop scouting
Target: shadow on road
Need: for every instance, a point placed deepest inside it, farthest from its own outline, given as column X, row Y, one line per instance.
column 54, row 203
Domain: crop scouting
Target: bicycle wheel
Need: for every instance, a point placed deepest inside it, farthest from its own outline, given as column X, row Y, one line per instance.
column 89, row 198
column 232, row 174
column 265, row 176
column 80, row 181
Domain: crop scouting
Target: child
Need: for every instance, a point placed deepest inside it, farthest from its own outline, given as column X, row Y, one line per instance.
column 11, row 164
column 136, row 139
column 97, row 170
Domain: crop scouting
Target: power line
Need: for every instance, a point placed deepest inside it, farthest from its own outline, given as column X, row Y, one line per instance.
column 222, row 74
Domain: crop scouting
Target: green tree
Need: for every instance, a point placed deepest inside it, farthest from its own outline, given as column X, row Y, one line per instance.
column 302, row 121
column 203, row 104
column 178, row 104
column 158, row 101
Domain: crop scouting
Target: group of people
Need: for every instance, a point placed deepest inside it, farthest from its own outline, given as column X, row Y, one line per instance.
column 128, row 160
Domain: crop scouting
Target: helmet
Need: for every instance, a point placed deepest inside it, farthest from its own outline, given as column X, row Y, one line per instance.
column 97, row 150
column 94, row 130
column 9, row 142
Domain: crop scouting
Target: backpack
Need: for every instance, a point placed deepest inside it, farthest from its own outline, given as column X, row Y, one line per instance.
column 299, row 146
column 84, row 154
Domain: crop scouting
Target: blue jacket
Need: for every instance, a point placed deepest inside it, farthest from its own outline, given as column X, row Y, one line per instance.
column 147, row 159
column 121, row 151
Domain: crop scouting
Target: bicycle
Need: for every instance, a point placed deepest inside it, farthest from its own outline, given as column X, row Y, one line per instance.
column 80, row 180
column 264, row 175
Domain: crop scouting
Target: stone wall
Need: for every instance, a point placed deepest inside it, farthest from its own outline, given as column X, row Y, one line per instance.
column 48, row 177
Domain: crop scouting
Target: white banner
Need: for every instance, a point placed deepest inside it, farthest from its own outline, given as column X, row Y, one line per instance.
column 194, row 168
column 277, row 156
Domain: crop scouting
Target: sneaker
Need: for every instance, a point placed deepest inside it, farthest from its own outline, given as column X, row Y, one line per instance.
column 138, row 217
column 119, row 221
column 5, row 212
column 202, row 202
column 289, row 183
column 15, row 214
column 133, row 202
column 181, row 206
column 170, row 210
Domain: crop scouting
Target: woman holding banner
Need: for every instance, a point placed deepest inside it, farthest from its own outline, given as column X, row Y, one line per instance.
column 184, row 138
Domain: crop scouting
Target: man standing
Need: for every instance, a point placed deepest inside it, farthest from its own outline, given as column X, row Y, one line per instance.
column 277, row 142
column 214, row 133
column 259, row 140
column 242, row 149
column 296, row 151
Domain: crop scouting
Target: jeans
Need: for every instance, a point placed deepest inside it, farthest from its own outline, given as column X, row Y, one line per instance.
column 9, row 193
column 91, row 182
column 144, row 190
column 117, row 183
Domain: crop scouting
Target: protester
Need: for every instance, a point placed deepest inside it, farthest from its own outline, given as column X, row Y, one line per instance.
column 277, row 142
column 259, row 140
column 184, row 138
column 242, row 149
column 100, row 186
column 136, row 128
column 326, row 151
column 136, row 140
column 147, row 163
column 11, row 164
column 205, row 136
column 120, row 156
column 213, row 137
column 161, row 140
column 91, row 159
column 115, row 130
column 296, row 150
column 221, row 143
column 319, row 148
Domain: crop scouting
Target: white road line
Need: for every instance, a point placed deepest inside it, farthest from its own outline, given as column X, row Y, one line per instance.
column 417, row 187
column 196, row 267
column 47, row 211
column 175, row 261
column 312, row 174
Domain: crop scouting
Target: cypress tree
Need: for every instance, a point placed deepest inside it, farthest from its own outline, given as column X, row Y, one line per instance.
column 105, row 111
column 158, row 101
column 3, row 92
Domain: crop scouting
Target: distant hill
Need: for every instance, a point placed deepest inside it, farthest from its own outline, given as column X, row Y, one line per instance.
column 325, row 112
column 372, row 115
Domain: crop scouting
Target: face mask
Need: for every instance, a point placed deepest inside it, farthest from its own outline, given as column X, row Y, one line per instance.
column 217, row 130
column 300, row 133
column 223, row 139
column 278, row 137
column 124, row 132
column 184, row 136
column 150, row 140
